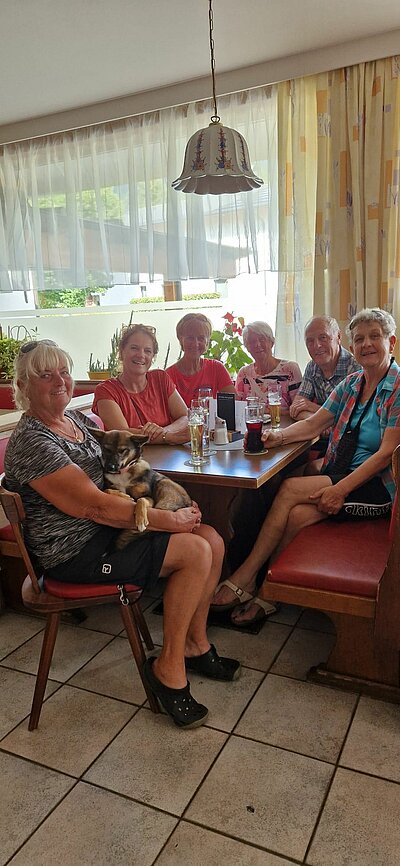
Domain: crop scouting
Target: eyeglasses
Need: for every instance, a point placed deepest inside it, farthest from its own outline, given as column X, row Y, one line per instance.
column 139, row 327
column 28, row 347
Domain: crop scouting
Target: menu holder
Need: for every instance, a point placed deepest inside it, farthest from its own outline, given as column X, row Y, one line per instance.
column 226, row 409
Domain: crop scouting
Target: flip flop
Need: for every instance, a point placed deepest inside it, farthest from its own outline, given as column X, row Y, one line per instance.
column 265, row 610
column 241, row 596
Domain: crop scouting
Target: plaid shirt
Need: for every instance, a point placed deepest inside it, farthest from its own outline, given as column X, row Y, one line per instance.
column 314, row 385
column 387, row 401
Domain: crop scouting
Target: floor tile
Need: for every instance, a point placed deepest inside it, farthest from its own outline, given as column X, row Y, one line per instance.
column 112, row 672
column 200, row 847
column 74, row 727
column 74, row 647
column 288, row 614
column 226, row 701
column 28, row 793
column 316, row 620
column 97, row 827
column 103, row 617
column 307, row 718
column 373, row 743
column 154, row 761
column 360, row 823
column 16, row 690
column 16, row 629
column 253, row 650
column 302, row 650
column 264, row 796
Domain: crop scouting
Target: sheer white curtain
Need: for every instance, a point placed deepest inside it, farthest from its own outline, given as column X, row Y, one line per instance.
column 96, row 206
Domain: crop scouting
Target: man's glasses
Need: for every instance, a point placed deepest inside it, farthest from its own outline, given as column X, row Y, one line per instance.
column 28, row 347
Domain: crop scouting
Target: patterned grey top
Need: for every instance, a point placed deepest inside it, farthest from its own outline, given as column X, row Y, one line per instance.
column 33, row 452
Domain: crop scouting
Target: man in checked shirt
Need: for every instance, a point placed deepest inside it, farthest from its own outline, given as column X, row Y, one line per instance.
column 329, row 365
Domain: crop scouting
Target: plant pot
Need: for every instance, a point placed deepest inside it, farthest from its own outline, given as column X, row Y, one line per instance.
column 99, row 375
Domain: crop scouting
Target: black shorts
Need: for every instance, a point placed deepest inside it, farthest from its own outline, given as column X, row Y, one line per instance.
column 99, row 561
column 367, row 502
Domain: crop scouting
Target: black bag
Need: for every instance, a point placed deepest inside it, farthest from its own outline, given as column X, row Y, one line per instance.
column 347, row 445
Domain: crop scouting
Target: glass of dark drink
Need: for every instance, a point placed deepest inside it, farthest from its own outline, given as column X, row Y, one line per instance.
column 254, row 429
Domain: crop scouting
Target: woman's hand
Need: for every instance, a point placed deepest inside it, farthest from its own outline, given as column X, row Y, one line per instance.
column 329, row 501
column 272, row 438
column 184, row 520
column 153, row 431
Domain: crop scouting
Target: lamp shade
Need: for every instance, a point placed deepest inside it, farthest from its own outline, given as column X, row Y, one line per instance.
column 216, row 161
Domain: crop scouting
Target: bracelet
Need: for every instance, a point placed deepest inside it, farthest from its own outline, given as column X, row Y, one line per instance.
column 281, row 442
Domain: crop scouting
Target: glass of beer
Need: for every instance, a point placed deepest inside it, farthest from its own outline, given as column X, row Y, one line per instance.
column 196, row 422
column 274, row 405
column 254, row 427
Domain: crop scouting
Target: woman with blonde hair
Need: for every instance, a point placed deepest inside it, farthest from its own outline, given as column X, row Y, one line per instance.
column 71, row 526
column 140, row 399
column 193, row 371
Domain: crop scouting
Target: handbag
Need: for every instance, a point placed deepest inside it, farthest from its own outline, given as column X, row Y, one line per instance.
column 348, row 443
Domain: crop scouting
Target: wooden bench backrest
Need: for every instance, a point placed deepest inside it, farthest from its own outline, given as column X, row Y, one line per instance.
column 14, row 511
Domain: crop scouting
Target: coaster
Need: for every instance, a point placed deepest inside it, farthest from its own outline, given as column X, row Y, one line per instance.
column 255, row 453
column 222, row 619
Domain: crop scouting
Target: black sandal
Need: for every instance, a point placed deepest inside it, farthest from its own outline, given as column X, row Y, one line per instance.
column 178, row 703
column 213, row 666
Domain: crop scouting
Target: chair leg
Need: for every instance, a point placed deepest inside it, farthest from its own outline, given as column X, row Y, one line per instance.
column 142, row 625
column 46, row 656
column 137, row 650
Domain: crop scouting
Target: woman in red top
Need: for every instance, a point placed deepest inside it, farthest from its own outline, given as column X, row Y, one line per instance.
column 192, row 371
column 140, row 399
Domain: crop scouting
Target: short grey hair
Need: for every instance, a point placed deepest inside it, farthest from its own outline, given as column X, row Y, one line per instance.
column 260, row 328
column 329, row 321
column 30, row 364
column 373, row 314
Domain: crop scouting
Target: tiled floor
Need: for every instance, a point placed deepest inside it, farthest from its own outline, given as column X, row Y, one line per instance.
column 284, row 772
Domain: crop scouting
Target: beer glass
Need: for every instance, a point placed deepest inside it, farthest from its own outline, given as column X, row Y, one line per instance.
column 274, row 405
column 196, row 420
column 254, row 426
column 202, row 398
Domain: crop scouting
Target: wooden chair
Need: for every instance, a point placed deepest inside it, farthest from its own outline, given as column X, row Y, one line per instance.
column 43, row 595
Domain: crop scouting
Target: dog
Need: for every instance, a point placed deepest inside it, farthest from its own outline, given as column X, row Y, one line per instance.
column 127, row 474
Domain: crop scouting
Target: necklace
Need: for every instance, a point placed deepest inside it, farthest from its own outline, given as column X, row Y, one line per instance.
column 74, row 429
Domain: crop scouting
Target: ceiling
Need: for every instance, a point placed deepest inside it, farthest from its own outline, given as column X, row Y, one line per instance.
column 57, row 55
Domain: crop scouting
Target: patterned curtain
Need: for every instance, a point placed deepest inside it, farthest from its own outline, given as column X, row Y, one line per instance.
column 339, row 159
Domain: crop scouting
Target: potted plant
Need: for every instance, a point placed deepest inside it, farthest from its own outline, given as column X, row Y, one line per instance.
column 227, row 345
column 99, row 371
column 10, row 346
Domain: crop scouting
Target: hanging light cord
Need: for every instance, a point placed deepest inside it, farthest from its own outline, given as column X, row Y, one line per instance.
column 215, row 118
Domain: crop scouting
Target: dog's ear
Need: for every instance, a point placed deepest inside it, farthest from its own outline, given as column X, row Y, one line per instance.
column 97, row 433
column 140, row 439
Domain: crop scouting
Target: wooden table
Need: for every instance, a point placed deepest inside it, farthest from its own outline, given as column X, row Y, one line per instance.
column 215, row 484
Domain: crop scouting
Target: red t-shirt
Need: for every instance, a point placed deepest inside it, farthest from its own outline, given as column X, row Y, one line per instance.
column 137, row 408
column 212, row 374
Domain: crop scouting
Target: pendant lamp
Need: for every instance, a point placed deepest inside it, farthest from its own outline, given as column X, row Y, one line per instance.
column 217, row 157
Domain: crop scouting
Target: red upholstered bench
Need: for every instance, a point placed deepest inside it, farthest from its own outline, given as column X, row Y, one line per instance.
column 351, row 572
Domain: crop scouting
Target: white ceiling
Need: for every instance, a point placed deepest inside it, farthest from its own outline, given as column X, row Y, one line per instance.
column 61, row 54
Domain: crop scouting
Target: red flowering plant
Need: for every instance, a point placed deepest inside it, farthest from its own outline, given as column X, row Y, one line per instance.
column 227, row 345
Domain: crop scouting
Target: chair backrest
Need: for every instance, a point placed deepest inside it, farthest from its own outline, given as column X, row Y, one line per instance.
column 15, row 514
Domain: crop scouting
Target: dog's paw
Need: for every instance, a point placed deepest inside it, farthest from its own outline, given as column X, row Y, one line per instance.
column 118, row 493
column 141, row 518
